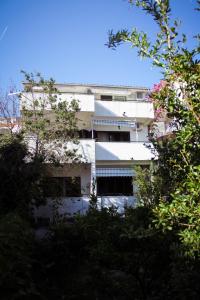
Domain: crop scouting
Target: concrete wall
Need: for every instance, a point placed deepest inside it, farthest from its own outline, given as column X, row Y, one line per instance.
column 120, row 202
column 135, row 151
column 85, row 148
column 68, row 170
column 68, row 205
column 72, row 206
column 86, row 102
column 137, row 109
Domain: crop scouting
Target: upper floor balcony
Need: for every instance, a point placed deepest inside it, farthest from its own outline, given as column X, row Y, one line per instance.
column 130, row 109
column 126, row 151
column 85, row 101
column 84, row 149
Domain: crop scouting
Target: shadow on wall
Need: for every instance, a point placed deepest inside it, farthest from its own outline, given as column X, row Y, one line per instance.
column 101, row 110
column 131, row 109
column 65, row 206
column 86, row 151
column 71, row 206
column 104, row 154
column 120, row 202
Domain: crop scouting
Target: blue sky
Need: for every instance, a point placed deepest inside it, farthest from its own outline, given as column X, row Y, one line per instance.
column 65, row 39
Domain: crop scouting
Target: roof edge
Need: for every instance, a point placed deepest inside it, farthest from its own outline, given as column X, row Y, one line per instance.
column 98, row 85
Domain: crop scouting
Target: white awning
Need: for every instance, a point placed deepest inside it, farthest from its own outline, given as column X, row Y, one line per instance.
column 120, row 123
column 114, row 172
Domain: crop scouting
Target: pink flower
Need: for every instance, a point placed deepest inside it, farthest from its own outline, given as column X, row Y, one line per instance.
column 157, row 87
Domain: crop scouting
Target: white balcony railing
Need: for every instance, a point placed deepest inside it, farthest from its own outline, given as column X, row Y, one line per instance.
column 71, row 206
column 123, row 151
column 85, row 149
column 86, row 102
column 119, row 202
column 128, row 109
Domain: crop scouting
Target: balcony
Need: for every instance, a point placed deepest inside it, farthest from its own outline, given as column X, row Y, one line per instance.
column 71, row 206
column 133, row 151
column 119, row 202
column 86, row 102
column 85, row 149
column 128, row 109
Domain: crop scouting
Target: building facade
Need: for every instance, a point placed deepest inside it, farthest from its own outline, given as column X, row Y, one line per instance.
column 113, row 126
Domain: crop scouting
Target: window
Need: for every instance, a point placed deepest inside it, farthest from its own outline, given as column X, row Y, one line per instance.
column 73, row 186
column 140, row 95
column 120, row 98
column 113, row 136
column 106, row 97
column 114, row 186
column 62, row 187
column 85, row 134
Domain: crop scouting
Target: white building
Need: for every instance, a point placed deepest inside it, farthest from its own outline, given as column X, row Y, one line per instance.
column 114, row 124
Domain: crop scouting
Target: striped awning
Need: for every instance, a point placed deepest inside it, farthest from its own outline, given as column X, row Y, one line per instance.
column 114, row 172
column 120, row 123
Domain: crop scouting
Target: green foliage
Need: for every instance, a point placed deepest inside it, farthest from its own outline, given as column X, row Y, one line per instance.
column 16, row 245
column 23, row 159
column 19, row 181
column 48, row 119
column 104, row 256
column 178, row 165
column 148, row 186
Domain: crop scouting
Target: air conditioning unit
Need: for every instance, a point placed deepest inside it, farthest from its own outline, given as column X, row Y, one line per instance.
column 89, row 92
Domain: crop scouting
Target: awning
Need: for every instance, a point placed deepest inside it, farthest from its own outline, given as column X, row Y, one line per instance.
column 114, row 172
column 120, row 123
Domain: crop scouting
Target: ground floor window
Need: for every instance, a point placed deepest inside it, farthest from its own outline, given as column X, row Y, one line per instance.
column 62, row 187
column 114, row 186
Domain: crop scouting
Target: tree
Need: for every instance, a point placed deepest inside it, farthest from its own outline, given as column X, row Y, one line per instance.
column 16, row 248
column 48, row 134
column 148, row 186
column 48, row 127
column 20, row 182
column 48, row 120
column 178, row 156
column 9, row 110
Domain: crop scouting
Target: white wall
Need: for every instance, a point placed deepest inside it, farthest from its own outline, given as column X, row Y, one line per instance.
column 69, row 205
column 122, row 151
column 134, row 109
column 72, row 206
column 68, row 170
column 141, row 135
column 120, row 202
column 85, row 148
column 86, row 102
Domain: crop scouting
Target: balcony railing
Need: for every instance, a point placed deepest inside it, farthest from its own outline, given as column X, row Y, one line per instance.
column 123, row 151
column 124, row 109
column 85, row 101
column 85, row 149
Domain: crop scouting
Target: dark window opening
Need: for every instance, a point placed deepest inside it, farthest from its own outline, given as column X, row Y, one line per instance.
column 85, row 134
column 120, row 98
column 140, row 95
column 62, row 187
column 113, row 136
column 106, row 98
column 82, row 134
column 114, row 186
